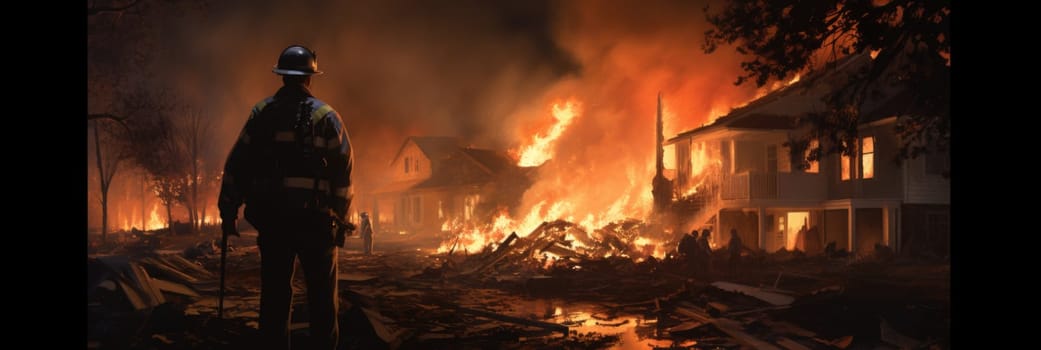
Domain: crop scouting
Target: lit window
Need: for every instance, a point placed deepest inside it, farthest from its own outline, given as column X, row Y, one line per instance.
column 867, row 157
column 814, row 165
column 844, row 169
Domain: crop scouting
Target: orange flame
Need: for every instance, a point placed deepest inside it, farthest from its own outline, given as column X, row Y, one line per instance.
column 541, row 147
column 154, row 221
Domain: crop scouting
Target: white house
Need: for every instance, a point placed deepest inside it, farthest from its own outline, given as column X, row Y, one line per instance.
column 740, row 166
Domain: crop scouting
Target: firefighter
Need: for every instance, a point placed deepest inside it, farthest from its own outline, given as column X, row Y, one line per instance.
column 705, row 252
column 291, row 168
column 366, row 233
column 688, row 249
column 734, row 248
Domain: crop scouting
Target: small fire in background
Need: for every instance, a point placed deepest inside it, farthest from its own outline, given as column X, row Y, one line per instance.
column 154, row 220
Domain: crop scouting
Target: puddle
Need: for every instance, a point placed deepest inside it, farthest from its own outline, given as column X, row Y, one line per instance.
column 634, row 331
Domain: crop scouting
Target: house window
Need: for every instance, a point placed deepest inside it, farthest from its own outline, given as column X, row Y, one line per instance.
column 867, row 157
column 844, row 168
column 415, row 209
column 407, row 162
column 814, row 165
column 784, row 160
column 771, row 159
column 416, row 168
column 469, row 206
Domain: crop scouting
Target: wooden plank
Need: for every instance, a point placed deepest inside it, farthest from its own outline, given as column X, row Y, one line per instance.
column 685, row 326
column 775, row 299
column 174, row 287
column 734, row 329
column 496, row 256
column 789, row 344
column 788, row 328
column 717, row 309
column 758, row 310
column 180, row 261
column 393, row 336
column 731, row 327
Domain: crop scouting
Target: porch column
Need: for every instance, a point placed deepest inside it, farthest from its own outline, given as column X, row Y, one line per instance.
column 851, row 242
column 763, row 227
column 896, row 229
column 886, row 221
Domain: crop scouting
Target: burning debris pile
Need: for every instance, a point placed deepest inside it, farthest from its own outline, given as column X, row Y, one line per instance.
column 559, row 244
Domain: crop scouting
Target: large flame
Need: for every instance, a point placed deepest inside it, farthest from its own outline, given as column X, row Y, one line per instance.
column 540, row 148
column 552, row 201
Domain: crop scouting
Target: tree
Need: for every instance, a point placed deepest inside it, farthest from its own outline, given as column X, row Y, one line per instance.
column 166, row 163
column 154, row 146
column 122, row 50
column 107, row 161
column 908, row 39
column 192, row 136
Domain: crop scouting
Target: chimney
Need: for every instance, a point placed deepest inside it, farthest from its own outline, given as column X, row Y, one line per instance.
column 658, row 140
column 661, row 188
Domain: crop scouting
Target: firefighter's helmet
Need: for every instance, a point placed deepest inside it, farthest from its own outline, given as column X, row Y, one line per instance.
column 297, row 60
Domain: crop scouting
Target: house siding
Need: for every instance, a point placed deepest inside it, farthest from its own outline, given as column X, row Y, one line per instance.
column 926, row 229
column 411, row 152
column 925, row 188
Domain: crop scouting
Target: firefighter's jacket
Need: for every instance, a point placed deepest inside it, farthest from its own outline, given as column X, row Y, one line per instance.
column 292, row 156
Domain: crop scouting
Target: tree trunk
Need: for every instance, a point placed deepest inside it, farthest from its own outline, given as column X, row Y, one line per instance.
column 104, row 185
column 144, row 186
column 169, row 217
column 196, row 223
column 195, row 178
column 104, row 215
column 191, row 216
column 202, row 215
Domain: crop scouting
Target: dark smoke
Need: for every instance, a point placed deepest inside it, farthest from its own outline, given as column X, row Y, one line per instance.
column 483, row 70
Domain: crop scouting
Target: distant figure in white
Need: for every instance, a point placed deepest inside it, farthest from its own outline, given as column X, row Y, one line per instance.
column 366, row 233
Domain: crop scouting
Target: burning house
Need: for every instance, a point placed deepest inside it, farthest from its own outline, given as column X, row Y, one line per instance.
column 741, row 174
column 436, row 182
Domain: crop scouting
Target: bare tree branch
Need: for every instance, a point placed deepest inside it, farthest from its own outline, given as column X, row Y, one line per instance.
column 118, row 119
column 102, row 9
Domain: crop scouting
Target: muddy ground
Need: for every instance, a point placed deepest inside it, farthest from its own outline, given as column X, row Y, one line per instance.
column 408, row 296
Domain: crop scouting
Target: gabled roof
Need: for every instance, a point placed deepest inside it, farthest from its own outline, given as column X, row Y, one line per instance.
column 779, row 109
column 764, row 121
column 434, row 147
column 492, row 161
column 456, row 165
